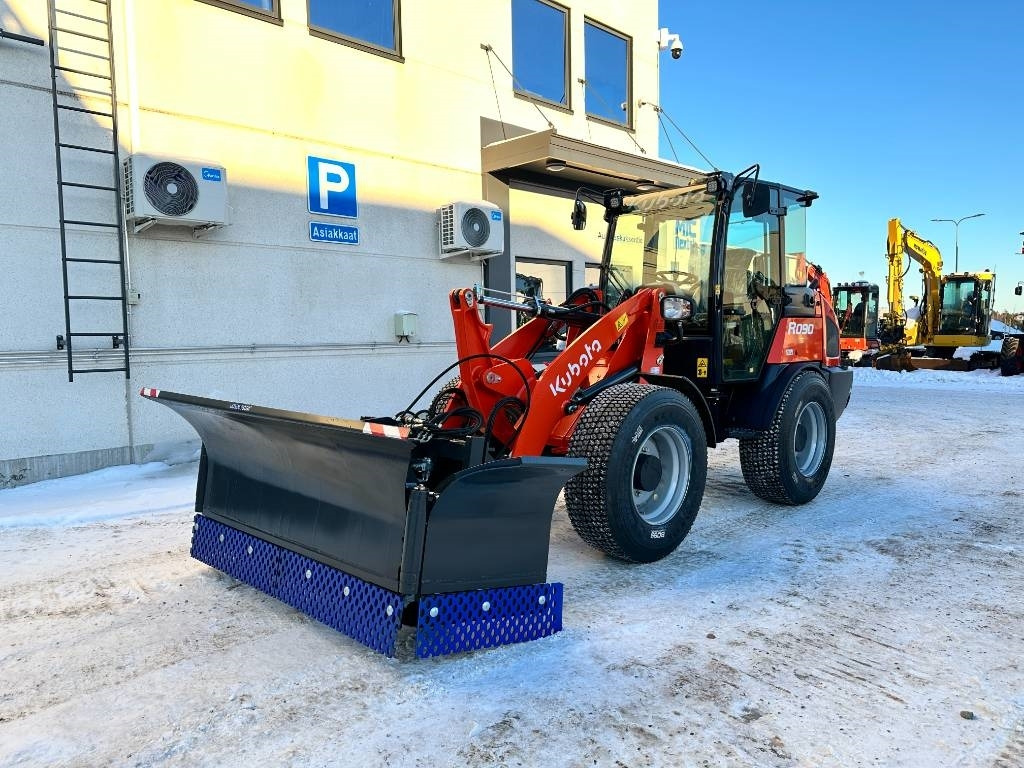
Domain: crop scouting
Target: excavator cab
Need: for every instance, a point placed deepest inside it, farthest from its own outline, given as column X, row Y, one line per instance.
column 966, row 304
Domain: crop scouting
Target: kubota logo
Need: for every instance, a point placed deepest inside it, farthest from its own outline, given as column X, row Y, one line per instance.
column 802, row 329
column 573, row 370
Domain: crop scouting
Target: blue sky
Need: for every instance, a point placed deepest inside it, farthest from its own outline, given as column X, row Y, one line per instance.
column 907, row 109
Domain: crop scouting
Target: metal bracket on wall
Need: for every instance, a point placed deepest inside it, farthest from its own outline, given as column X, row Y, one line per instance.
column 141, row 225
column 4, row 34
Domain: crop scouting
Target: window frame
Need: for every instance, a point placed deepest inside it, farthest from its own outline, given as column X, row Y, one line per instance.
column 245, row 9
column 333, row 36
column 628, row 39
column 566, row 65
column 550, row 262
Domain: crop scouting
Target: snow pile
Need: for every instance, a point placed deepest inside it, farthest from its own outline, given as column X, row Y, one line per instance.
column 107, row 494
column 981, row 380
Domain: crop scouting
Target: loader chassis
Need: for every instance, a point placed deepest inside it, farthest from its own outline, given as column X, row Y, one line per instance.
column 708, row 324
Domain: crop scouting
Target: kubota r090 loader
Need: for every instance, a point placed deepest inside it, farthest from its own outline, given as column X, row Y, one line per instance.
column 707, row 325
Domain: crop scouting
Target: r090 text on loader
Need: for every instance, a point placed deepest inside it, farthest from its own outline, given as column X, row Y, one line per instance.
column 708, row 324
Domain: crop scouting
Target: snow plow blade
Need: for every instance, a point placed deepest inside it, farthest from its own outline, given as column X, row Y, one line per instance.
column 327, row 515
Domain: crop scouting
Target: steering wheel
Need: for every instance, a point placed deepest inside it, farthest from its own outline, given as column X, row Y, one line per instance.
column 686, row 279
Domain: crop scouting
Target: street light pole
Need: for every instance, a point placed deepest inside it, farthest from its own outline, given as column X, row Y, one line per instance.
column 956, row 235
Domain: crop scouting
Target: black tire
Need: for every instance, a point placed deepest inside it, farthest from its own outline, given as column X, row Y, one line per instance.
column 1010, row 346
column 647, row 466
column 445, row 395
column 789, row 463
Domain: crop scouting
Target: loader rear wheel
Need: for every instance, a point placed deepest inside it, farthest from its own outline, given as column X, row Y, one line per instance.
column 789, row 463
column 647, row 463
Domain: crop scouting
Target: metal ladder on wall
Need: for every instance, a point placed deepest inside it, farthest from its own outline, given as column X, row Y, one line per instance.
column 95, row 287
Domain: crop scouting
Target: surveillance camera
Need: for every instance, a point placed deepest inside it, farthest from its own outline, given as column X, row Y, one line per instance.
column 670, row 41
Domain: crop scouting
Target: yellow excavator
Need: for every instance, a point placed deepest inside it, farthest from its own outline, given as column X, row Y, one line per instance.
column 954, row 311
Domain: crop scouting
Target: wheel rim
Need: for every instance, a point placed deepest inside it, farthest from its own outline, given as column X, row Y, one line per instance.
column 810, row 438
column 669, row 446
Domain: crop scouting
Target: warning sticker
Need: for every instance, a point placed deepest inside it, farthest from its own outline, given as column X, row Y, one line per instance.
column 702, row 367
column 621, row 323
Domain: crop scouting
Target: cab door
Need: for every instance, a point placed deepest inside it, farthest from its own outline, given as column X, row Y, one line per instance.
column 751, row 282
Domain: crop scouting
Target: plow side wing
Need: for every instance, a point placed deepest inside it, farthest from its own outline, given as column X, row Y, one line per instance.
column 492, row 524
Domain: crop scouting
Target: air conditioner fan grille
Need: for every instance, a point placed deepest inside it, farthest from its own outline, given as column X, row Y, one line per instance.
column 171, row 189
column 476, row 227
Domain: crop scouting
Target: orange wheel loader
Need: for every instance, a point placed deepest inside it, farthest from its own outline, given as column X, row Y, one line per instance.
column 707, row 325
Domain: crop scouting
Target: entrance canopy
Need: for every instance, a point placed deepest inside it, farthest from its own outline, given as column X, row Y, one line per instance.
column 548, row 162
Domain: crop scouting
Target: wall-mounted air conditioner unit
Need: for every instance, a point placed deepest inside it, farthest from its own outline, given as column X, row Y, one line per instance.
column 160, row 190
column 474, row 229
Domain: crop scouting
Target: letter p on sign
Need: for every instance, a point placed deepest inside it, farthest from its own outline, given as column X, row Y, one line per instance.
column 332, row 187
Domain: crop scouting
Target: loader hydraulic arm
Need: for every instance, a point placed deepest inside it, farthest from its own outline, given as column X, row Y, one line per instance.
column 525, row 408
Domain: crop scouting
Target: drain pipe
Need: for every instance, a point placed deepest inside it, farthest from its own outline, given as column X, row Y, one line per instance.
column 128, row 37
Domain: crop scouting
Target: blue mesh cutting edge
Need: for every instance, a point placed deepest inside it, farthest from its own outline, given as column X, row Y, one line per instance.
column 466, row 621
column 447, row 623
column 362, row 611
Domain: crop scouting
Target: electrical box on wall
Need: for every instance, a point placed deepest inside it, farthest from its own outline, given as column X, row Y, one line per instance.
column 406, row 325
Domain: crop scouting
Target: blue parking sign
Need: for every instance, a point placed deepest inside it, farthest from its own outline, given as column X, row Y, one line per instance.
column 332, row 187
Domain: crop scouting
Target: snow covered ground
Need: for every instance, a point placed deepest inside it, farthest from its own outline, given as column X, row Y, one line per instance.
column 882, row 624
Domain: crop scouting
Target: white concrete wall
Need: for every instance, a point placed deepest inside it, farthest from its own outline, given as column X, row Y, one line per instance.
column 255, row 311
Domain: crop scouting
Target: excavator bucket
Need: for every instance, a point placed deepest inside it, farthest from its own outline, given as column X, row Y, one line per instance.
column 329, row 516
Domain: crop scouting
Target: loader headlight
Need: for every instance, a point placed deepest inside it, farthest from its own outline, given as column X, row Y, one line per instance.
column 676, row 308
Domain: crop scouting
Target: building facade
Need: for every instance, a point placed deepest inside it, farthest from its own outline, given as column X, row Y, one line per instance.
column 335, row 131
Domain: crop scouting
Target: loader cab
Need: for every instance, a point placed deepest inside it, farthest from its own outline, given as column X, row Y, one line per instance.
column 856, row 306
column 736, row 251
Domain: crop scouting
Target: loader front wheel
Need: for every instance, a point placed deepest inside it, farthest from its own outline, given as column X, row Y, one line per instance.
column 647, row 465
column 789, row 463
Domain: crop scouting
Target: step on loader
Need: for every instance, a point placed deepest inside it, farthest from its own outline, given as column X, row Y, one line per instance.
column 708, row 324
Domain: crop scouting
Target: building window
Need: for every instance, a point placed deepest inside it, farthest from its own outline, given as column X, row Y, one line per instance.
column 543, row 280
column 269, row 10
column 540, row 50
column 608, row 74
column 371, row 25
